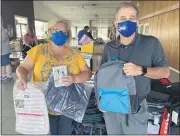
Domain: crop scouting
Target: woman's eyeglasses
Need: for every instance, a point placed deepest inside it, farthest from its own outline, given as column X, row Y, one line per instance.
column 57, row 30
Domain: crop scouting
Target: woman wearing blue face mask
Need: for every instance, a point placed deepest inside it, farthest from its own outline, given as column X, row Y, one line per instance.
column 42, row 58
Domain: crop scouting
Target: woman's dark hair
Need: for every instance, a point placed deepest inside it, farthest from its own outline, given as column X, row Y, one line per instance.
column 31, row 31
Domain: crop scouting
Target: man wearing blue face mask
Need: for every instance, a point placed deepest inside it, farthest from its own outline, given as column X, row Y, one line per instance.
column 145, row 60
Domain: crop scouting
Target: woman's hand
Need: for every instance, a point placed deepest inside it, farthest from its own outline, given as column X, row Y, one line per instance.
column 82, row 77
column 21, row 84
column 67, row 80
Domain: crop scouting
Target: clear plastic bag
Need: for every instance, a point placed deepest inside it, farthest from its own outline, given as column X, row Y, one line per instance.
column 71, row 101
column 85, row 40
column 31, row 110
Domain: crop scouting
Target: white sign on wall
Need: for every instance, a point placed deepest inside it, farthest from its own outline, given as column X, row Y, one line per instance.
column 143, row 29
column 146, row 29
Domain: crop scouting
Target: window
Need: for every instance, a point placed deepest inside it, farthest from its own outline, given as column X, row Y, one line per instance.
column 143, row 29
column 40, row 27
column 18, row 30
column 79, row 29
column 103, row 33
column 94, row 33
column 140, row 28
column 73, row 31
column 21, row 25
column 146, row 29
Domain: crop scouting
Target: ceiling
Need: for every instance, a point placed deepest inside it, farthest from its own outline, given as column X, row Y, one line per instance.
column 79, row 13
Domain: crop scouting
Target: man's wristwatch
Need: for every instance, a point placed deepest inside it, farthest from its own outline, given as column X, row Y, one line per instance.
column 144, row 71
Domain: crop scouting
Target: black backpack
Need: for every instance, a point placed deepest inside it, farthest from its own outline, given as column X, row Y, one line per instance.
column 165, row 87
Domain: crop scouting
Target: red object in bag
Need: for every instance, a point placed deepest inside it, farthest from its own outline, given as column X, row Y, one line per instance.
column 165, row 81
column 165, row 122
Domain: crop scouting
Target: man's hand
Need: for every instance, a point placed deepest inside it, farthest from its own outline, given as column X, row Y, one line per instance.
column 68, row 80
column 131, row 69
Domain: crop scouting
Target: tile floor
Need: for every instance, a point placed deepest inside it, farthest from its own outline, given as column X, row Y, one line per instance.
column 7, row 109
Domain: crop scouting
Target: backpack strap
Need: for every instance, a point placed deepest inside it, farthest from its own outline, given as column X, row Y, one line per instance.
column 116, row 59
column 113, row 59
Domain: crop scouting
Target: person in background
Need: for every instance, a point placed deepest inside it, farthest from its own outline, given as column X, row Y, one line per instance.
column 6, row 69
column 144, row 60
column 42, row 58
column 111, row 35
column 29, row 41
column 90, row 34
column 45, row 36
column 82, row 32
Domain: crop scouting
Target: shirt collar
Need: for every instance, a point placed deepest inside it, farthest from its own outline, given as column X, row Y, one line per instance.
column 134, row 42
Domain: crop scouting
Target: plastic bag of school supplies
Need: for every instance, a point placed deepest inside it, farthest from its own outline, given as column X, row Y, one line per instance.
column 30, row 110
column 71, row 101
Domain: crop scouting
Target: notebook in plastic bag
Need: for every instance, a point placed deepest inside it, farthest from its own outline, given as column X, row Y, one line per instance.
column 71, row 101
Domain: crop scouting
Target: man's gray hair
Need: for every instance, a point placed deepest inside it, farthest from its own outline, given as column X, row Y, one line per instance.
column 127, row 5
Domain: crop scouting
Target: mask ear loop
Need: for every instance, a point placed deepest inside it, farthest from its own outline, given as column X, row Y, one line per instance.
column 67, row 42
column 67, row 33
column 49, row 37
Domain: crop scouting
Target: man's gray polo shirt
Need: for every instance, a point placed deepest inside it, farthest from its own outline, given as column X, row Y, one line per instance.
column 143, row 51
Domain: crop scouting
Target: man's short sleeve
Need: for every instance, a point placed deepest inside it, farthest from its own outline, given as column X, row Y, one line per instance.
column 159, row 58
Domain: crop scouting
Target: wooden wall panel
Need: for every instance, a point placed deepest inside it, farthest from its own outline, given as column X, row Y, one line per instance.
column 164, row 4
column 174, row 2
column 157, row 5
column 166, row 28
column 174, row 50
column 148, row 7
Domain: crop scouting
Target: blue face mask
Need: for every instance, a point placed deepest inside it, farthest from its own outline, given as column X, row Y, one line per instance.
column 127, row 28
column 59, row 38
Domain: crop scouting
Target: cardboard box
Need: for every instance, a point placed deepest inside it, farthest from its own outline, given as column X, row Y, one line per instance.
column 88, row 58
column 96, row 59
column 98, row 48
column 87, row 48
